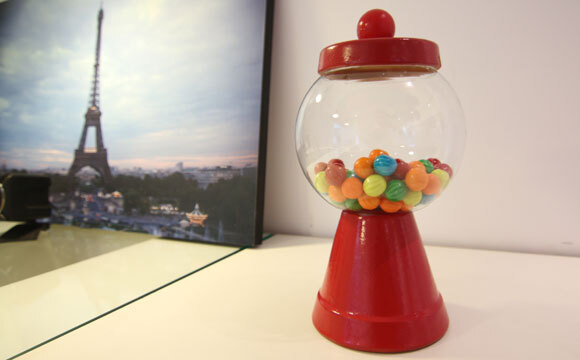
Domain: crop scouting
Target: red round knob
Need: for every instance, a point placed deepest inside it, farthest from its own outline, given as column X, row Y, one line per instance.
column 375, row 23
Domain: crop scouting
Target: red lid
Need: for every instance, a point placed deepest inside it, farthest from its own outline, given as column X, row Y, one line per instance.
column 377, row 46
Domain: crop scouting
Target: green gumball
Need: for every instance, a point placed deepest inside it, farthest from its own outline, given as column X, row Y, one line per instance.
column 352, row 204
column 428, row 165
column 396, row 190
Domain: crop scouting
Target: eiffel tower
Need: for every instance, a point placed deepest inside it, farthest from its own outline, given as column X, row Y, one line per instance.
column 95, row 158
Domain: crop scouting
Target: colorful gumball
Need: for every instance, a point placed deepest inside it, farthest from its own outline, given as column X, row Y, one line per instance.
column 352, row 188
column 336, row 162
column 414, row 164
column 390, row 206
column 320, row 182
column 446, row 168
column 335, row 174
column 376, row 152
column 426, row 199
column 443, row 177
column 384, row 165
column 402, row 169
column 406, row 208
column 369, row 202
column 433, row 185
column 396, row 190
column 412, row 198
column 363, row 167
column 338, row 204
column 335, row 194
column 416, row 179
column 319, row 167
column 381, row 181
column 434, row 161
column 352, row 204
column 427, row 164
column 374, row 185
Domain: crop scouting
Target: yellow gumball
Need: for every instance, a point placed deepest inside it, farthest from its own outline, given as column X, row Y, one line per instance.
column 374, row 185
column 443, row 177
column 320, row 183
column 412, row 198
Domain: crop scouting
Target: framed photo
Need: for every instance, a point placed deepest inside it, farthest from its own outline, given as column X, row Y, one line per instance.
column 148, row 116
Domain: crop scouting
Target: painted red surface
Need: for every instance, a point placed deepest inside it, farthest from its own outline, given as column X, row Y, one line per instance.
column 377, row 46
column 379, row 294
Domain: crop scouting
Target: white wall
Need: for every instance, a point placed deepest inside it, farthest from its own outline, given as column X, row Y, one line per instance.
column 516, row 68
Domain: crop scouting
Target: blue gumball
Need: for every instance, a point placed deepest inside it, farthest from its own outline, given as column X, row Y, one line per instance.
column 385, row 165
column 426, row 199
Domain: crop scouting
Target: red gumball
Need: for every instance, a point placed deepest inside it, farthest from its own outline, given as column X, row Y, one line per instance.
column 445, row 168
column 337, row 162
column 402, row 169
column 434, row 161
column 335, row 174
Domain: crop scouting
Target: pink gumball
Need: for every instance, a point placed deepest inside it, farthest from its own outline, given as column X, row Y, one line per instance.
column 445, row 168
column 319, row 167
column 335, row 174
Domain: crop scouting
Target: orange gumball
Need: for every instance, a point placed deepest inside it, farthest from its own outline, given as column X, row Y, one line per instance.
column 419, row 164
column 363, row 168
column 390, row 206
column 335, row 194
column 416, row 179
column 406, row 207
column 376, row 152
column 433, row 186
column 369, row 202
column 352, row 188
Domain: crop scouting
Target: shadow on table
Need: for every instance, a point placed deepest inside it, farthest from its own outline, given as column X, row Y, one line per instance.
column 58, row 247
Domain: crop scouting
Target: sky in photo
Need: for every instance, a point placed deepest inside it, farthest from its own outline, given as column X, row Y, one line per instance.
column 180, row 81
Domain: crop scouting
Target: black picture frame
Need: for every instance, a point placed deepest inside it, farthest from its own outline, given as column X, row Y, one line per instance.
column 267, row 66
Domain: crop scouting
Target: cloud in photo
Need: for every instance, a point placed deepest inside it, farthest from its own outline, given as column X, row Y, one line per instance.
column 180, row 80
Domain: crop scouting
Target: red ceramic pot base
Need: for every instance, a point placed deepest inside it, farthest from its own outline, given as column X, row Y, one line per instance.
column 378, row 293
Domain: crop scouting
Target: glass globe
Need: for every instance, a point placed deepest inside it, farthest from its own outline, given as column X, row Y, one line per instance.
column 380, row 138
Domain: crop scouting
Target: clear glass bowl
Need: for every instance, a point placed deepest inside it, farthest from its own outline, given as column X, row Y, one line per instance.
column 386, row 138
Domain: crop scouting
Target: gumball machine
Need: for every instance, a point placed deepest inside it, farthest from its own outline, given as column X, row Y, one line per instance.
column 380, row 135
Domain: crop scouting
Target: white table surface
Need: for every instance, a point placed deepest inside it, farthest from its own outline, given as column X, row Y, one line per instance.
column 257, row 304
column 82, row 275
